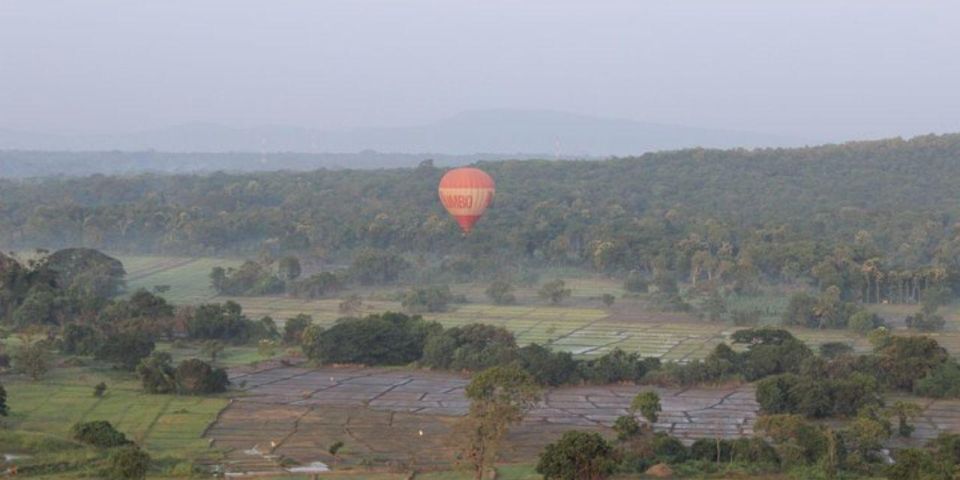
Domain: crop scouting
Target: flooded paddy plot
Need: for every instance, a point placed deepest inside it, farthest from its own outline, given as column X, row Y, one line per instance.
column 938, row 416
column 394, row 416
column 405, row 417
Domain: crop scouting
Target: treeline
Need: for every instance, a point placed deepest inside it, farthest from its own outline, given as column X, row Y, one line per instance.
column 784, row 445
column 284, row 275
column 875, row 219
column 400, row 339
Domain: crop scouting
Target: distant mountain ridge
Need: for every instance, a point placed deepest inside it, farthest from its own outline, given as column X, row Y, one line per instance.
column 38, row 163
column 504, row 132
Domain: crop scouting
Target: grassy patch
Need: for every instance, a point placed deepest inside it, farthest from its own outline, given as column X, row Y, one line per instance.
column 165, row 425
column 188, row 278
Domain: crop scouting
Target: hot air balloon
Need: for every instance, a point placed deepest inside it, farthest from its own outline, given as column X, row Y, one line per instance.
column 466, row 193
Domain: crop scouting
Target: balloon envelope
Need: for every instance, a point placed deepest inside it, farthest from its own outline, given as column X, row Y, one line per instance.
column 466, row 193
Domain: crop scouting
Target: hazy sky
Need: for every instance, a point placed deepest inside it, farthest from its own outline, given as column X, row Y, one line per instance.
column 838, row 69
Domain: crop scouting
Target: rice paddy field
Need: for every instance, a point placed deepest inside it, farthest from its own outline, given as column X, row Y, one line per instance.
column 580, row 325
column 395, row 416
column 305, row 410
column 165, row 425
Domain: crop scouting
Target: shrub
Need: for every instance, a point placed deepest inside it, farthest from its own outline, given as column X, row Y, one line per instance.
column 32, row 359
column 753, row 450
column 99, row 433
column 293, row 328
column 577, row 456
column 773, row 394
column 608, row 299
column 711, row 450
column 942, row 382
column 546, row 366
column 376, row 267
column 800, row 311
column 771, row 352
column 78, row 340
column 157, row 374
column 128, row 463
column 648, row 404
column 926, row 321
column 835, row 349
column 626, row 427
column 762, row 336
column 470, row 347
column 501, row 292
column 194, row 376
column 796, row 439
column 614, row 367
column 554, row 291
column 668, row 449
column 863, row 322
column 635, row 283
column 125, row 350
column 221, row 322
column 428, row 299
column 917, row 464
column 351, row 305
column 947, row 447
column 387, row 339
column 317, row 285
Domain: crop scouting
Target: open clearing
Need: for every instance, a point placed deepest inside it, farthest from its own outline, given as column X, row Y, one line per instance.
column 188, row 278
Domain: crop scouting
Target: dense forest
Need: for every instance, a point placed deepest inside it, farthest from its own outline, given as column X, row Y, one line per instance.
column 877, row 219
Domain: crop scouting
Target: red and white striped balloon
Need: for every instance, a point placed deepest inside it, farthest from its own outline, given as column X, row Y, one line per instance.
column 466, row 193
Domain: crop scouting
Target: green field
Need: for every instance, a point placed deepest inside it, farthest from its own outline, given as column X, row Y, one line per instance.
column 167, row 426
column 188, row 278
column 231, row 356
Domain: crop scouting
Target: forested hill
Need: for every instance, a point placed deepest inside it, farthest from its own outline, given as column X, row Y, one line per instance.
column 782, row 209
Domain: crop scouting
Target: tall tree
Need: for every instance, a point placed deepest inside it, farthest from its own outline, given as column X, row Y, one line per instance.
column 499, row 397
